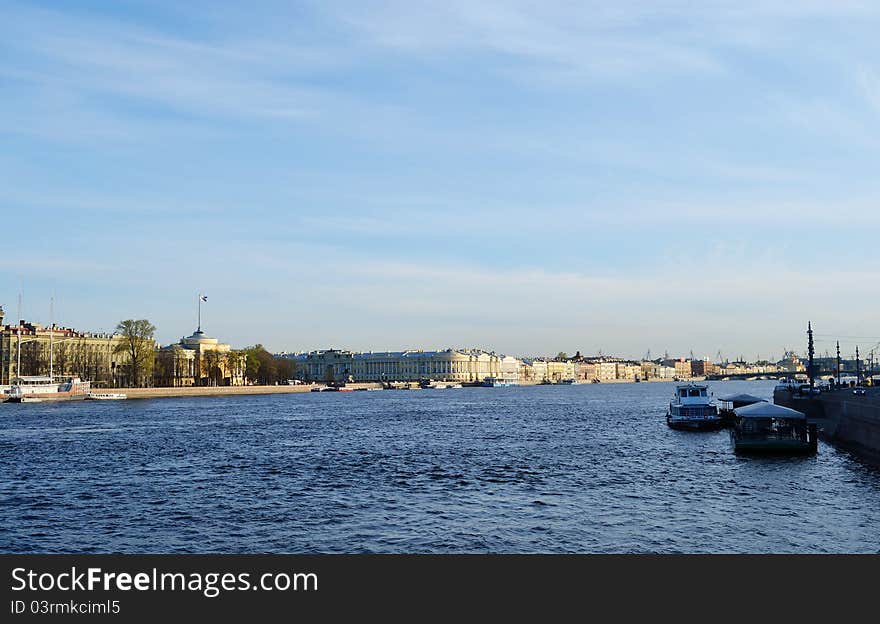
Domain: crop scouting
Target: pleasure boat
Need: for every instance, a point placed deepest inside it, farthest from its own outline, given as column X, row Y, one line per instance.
column 691, row 408
column 45, row 388
column 496, row 382
column 106, row 396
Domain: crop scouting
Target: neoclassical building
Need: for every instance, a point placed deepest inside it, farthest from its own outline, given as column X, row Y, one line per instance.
column 449, row 365
column 199, row 360
column 67, row 352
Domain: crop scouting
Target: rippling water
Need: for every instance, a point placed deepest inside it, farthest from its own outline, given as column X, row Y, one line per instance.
column 589, row 468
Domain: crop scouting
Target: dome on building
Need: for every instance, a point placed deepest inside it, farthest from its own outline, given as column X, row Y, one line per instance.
column 199, row 338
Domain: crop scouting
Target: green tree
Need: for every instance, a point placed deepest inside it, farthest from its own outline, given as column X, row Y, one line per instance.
column 138, row 343
column 562, row 355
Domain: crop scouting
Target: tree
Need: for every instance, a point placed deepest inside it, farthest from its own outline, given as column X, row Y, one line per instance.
column 562, row 355
column 138, row 343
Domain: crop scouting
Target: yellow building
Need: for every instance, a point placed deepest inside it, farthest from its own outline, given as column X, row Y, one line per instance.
column 448, row 365
column 63, row 351
column 199, row 360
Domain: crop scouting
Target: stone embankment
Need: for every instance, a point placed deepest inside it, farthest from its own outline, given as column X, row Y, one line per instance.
column 851, row 421
column 202, row 391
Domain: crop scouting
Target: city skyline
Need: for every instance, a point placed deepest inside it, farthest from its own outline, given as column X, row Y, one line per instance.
column 826, row 346
column 530, row 180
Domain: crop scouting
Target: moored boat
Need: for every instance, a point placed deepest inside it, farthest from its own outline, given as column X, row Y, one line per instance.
column 47, row 389
column 106, row 396
column 496, row 382
column 765, row 428
column 692, row 409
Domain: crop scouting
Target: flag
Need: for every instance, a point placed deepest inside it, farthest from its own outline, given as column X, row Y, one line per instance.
column 204, row 297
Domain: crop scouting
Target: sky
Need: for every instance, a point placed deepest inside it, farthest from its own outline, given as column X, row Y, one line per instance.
column 523, row 177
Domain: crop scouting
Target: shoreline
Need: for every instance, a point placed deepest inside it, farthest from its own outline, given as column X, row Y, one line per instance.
column 219, row 391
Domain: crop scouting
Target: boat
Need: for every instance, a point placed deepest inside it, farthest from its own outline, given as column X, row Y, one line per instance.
column 766, row 428
column 29, row 399
column 496, row 382
column 692, row 409
column 730, row 403
column 568, row 382
column 106, row 396
column 47, row 389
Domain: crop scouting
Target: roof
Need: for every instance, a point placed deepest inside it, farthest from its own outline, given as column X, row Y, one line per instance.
column 742, row 398
column 768, row 410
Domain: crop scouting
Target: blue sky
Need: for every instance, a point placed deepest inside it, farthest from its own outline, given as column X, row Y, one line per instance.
column 525, row 177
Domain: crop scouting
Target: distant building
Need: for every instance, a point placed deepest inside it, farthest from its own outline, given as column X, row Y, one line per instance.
column 199, row 360
column 449, row 365
column 702, row 368
column 89, row 356
column 683, row 369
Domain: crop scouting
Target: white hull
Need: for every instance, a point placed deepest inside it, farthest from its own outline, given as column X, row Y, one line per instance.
column 106, row 396
column 25, row 392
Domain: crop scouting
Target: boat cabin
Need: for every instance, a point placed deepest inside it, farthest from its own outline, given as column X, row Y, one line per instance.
column 34, row 380
column 692, row 393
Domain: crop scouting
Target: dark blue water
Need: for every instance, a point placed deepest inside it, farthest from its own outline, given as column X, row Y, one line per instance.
column 589, row 468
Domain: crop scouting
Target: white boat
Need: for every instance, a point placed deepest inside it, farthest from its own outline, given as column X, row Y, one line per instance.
column 567, row 382
column 45, row 388
column 692, row 408
column 28, row 399
column 106, row 396
column 497, row 382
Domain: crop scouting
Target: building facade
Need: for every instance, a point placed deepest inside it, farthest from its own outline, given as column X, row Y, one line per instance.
column 64, row 351
column 451, row 365
column 199, row 360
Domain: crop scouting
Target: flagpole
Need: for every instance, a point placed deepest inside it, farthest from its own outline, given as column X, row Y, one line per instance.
column 51, row 335
column 200, row 312
column 18, row 357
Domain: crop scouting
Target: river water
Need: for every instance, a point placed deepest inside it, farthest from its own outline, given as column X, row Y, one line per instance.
column 589, row 468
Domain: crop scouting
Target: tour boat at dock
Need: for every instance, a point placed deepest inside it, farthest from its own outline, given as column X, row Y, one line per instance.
column 692, row 409
column 45, row 388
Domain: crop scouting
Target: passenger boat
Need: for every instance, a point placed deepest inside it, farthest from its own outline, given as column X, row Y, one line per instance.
column 765, row 428
column 568, row 382
column 496, row 382
column 691, row 408
column 45, row 388
column 106, row 396
column 733, row 402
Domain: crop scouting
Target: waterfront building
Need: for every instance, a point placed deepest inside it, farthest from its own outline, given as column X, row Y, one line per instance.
column 630, row 371
column 455, row 365
column 650, row 370
column 587, row 371
column 526, row 372
column 510, row 369
column 199, row 360
column 606, row 371
column 702, row 368
column 666, row 372
column 89, row 356
column 683, row 369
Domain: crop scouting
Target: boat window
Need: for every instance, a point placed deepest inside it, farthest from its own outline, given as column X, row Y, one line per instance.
column 702, row 393
column 683, row 393
column 694, row 393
